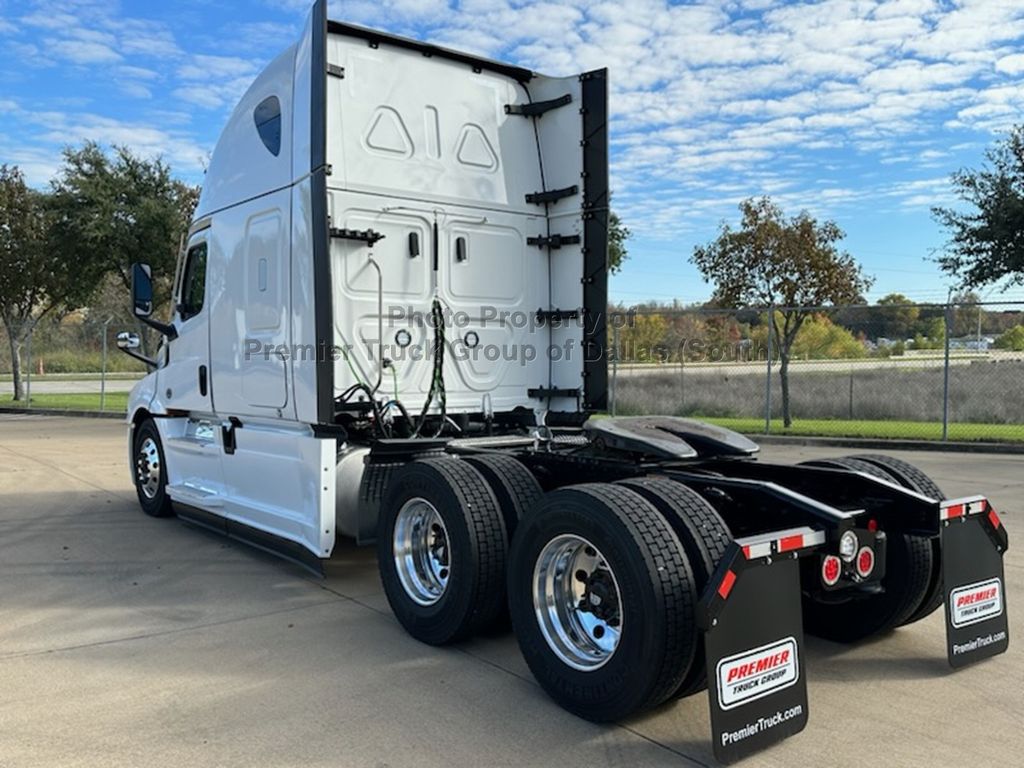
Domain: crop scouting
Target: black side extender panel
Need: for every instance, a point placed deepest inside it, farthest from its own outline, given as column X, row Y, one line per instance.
column 596, row 212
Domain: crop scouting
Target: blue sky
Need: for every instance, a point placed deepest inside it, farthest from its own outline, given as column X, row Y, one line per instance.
column 857, row 110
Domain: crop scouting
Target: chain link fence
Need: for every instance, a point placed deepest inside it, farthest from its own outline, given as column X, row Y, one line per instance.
column 909, row 371
column 70, row 363
column 926, row 371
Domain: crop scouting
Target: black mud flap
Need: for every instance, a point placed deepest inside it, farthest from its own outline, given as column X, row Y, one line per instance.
column 753, row 634
column 973, row 543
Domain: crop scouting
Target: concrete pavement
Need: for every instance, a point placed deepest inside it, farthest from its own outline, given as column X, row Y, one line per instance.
column 126, row 640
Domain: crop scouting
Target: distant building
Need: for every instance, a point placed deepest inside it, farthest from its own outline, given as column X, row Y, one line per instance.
column 973, row 343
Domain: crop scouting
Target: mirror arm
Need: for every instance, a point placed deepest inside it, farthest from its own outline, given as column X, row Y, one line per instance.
column 167, row 329
column 150, row 362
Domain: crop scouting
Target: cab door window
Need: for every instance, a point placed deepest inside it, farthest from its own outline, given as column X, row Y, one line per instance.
column 193, row 283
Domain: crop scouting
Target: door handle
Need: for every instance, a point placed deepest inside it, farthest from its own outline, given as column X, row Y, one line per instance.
column 202, row 380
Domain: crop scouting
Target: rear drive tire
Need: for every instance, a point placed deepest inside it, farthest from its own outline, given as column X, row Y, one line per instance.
column 441, row 550
column 908, row 570
column 911, row 477
column 150, row 470
column 704, row 536
column 515, row 488
column 602, row 601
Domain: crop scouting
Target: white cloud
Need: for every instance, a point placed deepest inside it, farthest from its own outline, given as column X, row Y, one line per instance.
column 63, row 128
column 711, row 100
column 204, row 67
column 138, row 73
column 1011, row 65
column 83, row 52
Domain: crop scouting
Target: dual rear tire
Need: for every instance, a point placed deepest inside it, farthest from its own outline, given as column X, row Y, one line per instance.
column 602, row 598
column 602, row 579
column 441, row 550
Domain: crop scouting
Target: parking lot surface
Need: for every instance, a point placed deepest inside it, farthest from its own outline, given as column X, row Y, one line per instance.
column 131, row 641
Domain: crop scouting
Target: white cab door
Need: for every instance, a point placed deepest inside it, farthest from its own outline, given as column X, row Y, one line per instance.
column 185, row 383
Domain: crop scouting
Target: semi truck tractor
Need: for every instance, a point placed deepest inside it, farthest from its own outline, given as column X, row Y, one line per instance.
column 389, row 323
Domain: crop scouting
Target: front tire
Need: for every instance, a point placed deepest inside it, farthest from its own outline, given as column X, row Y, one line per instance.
column 150, row 470
column 441, row 550
column 602, row 601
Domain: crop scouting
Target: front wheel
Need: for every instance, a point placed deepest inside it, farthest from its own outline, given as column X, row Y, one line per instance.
column 150, row 471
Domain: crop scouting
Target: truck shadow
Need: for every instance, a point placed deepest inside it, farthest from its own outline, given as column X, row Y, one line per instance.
column 913, row 653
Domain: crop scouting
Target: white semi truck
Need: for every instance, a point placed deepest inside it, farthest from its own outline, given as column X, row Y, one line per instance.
column 389, row 323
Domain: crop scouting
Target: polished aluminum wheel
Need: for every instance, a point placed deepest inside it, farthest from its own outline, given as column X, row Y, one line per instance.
column 421, row 551
column 577, row 602
column 147, row 468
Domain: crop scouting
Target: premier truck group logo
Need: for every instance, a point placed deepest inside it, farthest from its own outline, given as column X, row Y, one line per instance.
column 756, row 673
column 975, row 602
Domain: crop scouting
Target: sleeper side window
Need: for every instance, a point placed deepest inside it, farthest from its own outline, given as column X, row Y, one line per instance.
column 193, row 283
column 267, row 116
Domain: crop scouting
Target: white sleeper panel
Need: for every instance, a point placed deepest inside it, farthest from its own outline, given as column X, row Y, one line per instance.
column 250, row 294
column 429, row 129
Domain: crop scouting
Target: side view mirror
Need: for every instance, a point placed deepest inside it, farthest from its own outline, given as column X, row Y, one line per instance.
column 142, row 290
column 127, row 340
column 142, row 302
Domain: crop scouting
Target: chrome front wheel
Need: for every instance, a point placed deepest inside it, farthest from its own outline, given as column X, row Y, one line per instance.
column 577, row 602
column 148, row 468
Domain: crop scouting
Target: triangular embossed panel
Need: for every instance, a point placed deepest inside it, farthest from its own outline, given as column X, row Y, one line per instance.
column 474, row 148
column 387, row 133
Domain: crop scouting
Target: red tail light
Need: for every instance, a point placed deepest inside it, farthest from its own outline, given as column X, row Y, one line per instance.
column 831, row 570
column 865, row 562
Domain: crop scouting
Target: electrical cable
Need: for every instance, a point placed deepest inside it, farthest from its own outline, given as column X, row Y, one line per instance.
column 437, row 389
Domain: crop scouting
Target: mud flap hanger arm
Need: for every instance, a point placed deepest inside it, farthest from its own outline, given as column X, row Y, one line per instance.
column 749, row 552
column 894, row 507
column 800, row 509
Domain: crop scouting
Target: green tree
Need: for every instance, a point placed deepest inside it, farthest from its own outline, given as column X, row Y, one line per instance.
column 932, row 334
column 986, row 242
column 618, row 234
column 792, row 264
column 113, row 210
column 968, row 316
column 897, row 317
column 1012, row 339
column 643, row 338
column 35, row 278
column 821, row 339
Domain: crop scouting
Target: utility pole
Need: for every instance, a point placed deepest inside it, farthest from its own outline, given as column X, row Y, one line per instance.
column 768, row 375
column 945, row 370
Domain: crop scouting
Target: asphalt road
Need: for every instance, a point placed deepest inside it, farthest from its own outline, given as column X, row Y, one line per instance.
column 128, row 641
